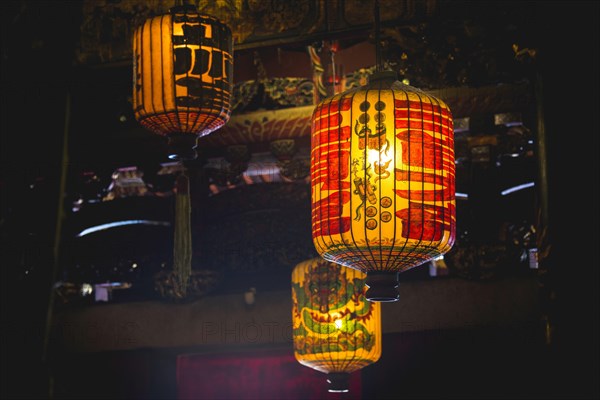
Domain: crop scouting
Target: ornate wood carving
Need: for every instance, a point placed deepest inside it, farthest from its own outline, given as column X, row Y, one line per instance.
column 262, row 126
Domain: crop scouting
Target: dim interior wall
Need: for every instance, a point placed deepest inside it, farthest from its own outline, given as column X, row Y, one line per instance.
column 445, row 337
column 227, row 320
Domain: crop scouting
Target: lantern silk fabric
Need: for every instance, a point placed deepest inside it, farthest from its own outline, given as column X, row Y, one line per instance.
column 183, row 73
column 335, row 329
column 382, row 177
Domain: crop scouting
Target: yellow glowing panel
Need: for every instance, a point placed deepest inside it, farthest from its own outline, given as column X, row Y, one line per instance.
column 335, row 329
column 382, row 177
column 183, row 73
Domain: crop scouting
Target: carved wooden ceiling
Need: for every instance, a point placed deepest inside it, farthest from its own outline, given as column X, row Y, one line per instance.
column 433, row 43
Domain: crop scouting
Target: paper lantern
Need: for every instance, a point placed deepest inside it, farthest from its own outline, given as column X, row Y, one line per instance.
column 335, row 329
column 383, row 180
column 183, row 76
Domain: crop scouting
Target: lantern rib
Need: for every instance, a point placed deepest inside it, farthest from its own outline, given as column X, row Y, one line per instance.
column 142, row 106
column 179, row 127
column 350, row 172
column 138, row 65
column 332, row 334
column 437, row 169
column 403, row 262
column 344, row 237
column 315, row 194
column 170, row 120
column 371, row 263
column 223, row 74
column 380, row 224
column 390, row 258
column 223, row 113
column 346, row 364
column 212, row 58
column 409, row 261
column 153, row 107
column 189, row 127
column 422, row 167
column 412, row 251
column 321, row 210
column 145, row 85
column 193, row 126
column 339, row 169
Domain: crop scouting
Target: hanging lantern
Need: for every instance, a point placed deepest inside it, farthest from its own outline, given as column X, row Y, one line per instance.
column 383, row 179
column 183, row 77
column 335, row 329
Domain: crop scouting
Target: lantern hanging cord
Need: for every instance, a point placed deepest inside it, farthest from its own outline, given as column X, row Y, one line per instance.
column 377, row 38
column 333, row 70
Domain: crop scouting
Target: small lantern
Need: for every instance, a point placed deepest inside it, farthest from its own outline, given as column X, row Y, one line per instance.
column 335, row 329
column 383, row 180
column 183, row 77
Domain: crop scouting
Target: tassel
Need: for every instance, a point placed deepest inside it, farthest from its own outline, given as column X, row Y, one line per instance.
column 182, row 249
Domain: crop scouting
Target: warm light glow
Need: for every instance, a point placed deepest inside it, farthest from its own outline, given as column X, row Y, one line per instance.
column 86, row 289
column 183, row 73
column 335, row 329
column 383, row 178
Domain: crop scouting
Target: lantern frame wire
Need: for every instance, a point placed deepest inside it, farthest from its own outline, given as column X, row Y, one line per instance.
column 418, row 134
column 183, row 77
column 335, row 329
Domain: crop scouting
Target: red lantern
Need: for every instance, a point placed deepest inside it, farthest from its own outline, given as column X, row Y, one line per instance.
column 383, row 180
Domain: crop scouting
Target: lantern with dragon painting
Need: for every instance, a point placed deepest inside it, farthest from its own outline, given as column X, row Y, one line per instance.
column 335, row 329
column 183, row 77
column 383, row 180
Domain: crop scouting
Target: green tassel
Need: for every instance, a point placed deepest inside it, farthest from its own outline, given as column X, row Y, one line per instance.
column 182, row 249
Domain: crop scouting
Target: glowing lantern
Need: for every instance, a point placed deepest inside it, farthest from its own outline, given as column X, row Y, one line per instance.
column 383, row 180
column 335, row 329
column 183, row 76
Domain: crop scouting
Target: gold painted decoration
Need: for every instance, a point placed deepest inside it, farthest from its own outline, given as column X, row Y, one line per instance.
column 335, row 329
column 183, row 75
column 382, row 180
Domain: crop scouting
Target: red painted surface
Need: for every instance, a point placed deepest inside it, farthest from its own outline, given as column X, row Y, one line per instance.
column 261, row 374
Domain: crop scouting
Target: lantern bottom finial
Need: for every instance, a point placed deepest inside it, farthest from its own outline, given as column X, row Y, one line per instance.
column 338, row 382
column 382, row 286
column 182, row 146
